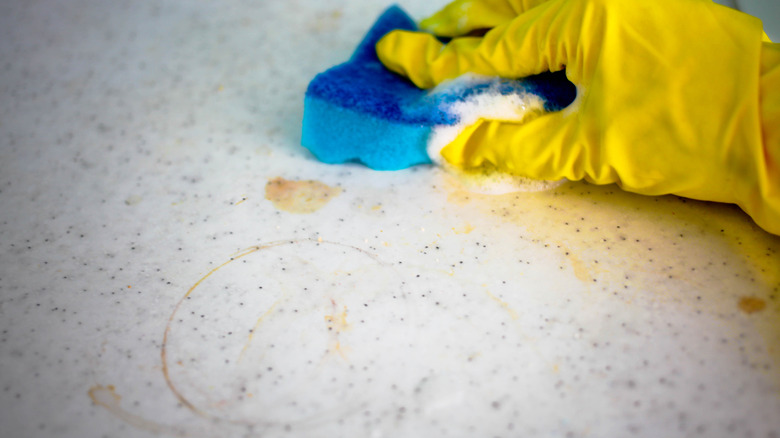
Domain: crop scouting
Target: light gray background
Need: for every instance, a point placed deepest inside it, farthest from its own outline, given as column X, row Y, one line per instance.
column 136, row 141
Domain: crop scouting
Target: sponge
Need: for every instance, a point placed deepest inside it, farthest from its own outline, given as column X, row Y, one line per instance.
column 361, row 112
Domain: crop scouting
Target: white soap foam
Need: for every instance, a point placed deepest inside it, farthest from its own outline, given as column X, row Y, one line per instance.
column 492, row 104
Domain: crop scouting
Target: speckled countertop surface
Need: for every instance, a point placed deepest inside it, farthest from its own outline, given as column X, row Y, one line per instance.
column 173, row 263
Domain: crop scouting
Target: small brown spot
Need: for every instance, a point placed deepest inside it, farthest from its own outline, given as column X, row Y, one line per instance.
column 751, row 304
column 299, row 196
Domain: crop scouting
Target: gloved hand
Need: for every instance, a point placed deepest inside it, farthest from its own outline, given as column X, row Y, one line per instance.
column 677, row 96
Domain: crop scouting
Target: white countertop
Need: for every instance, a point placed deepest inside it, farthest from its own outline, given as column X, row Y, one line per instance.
column 148, row 287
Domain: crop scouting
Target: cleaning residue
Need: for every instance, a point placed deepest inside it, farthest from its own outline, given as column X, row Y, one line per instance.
column 487, row 180
column 703, row 257
column 299, row 197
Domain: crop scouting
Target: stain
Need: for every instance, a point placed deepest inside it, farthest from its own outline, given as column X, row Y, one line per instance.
column 662, row 248
column 751, row 304
column 466, row 229
column 133, row 200
column 336, row 323
column 300, row 197
column 256, row 327
column 326, row 22
column 581, row 270
column 164, row 348
column 657, row 238
column 106, row 397
column 240, row 201
column 504, row 305
column 515, row 316
column 488, row 180
column 338, row 320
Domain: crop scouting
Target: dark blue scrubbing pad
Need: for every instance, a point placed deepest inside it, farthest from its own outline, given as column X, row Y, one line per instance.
column 361, row 112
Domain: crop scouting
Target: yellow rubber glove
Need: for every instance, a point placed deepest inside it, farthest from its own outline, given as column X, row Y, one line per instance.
column 677, row 96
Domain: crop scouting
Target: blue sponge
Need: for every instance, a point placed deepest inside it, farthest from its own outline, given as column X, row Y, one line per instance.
column 361, row 112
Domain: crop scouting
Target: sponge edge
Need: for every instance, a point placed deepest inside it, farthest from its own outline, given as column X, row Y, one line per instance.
column 361, row 112
column 335, row 134
column 354, row 112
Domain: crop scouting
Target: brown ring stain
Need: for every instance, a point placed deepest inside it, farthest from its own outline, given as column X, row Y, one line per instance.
column 105, row 396
column 164, row 347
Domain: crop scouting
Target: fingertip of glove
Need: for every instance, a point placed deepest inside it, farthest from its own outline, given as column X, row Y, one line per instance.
column 402, row 41
column 408, row 53
column 391, row 50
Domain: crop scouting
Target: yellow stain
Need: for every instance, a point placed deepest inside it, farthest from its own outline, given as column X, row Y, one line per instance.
column 338, row 349
column 466, row 229
column 611, row 237
column 254, row 329
column 580, row 269
column 106, row 397
column 504, row 305
column 337, row 322
column 751, row 304
column 299, row 197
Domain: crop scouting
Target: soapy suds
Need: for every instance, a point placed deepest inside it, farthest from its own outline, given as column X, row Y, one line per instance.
column 494, row 104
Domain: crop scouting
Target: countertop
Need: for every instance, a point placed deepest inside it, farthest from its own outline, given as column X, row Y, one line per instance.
column 174, row 263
